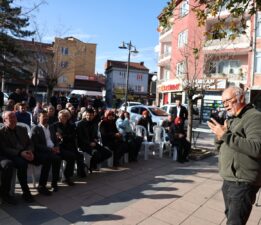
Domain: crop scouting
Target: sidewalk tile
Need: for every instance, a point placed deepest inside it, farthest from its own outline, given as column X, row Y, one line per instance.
column 192, row 220
column 209, row 214
column 153, row 221
column 183, row 206
column 9, row 221
column 57, row 221
column 170, row 216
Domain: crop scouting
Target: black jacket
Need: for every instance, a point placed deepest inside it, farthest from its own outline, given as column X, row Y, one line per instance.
column 86, row 133
column 39, row 141
column 183, row 112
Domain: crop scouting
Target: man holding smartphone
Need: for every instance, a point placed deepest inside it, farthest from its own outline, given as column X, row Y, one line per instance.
column 239, row 144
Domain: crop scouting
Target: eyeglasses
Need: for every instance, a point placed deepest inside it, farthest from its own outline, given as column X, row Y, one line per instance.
column 229, row 100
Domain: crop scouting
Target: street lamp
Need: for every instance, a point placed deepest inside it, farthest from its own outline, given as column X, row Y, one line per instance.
column 131, row 49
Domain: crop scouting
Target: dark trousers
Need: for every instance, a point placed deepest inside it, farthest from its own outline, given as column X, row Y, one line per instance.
column 239, row 198
column 70, row 159
column 55, row 164
column 183, row 149
column 118, row 148
column 6, row 168
column 21, row 165
column 133, row 144
column 99, row 154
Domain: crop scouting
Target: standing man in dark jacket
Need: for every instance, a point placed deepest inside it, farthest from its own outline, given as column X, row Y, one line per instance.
column 239, row 144
column 179, row 111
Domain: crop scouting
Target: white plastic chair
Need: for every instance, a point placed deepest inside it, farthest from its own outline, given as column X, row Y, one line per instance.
column 159, row 138
column 141, row 132
column 26, row 126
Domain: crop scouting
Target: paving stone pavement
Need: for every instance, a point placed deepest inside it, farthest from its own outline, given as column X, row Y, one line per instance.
column 153, row 192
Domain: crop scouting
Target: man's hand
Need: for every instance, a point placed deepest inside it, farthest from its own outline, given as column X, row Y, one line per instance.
column 55, row 150
column 218, row 129
column 93, row 144
column 28, row 155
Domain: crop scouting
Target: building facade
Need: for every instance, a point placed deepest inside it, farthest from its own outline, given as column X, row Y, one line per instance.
column 73, row 58
column 116, row 75
column 185, row 54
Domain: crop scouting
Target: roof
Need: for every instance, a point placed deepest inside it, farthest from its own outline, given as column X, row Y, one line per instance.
column 34, row 45
column 90, row 85
column 122, row 64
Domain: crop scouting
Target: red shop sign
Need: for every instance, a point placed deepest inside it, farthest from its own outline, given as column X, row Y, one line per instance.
column 170, row 87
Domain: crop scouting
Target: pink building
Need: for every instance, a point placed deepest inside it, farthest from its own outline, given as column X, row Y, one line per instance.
column 186, row 55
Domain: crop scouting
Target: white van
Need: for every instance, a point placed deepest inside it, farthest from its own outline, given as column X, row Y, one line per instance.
column 85, row 92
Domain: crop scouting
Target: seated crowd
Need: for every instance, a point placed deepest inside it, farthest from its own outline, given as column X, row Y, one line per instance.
column 64, row 131
column 58, row 134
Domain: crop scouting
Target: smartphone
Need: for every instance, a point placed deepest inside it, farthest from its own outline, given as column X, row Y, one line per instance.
column 210, row 121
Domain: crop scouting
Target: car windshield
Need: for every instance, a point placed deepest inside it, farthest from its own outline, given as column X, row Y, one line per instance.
column 158, row 112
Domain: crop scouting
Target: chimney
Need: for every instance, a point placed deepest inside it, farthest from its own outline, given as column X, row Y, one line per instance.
column 142, row 63
column 33, row 40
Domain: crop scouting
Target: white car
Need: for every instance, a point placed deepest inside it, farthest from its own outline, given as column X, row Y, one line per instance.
column 168, row 108
column 122, row 107
column 157, row 115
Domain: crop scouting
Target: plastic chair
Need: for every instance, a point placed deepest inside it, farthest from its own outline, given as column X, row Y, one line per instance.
column 141, row 132
column 26, row 126
column 159, row 138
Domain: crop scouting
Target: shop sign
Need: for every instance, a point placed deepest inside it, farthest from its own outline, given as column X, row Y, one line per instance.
column 170, row 87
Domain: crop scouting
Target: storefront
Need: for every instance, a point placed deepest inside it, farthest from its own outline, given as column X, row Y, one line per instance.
column 169, row 92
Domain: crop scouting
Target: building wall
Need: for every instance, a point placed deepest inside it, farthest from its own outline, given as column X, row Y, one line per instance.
column 80, row 58
column 116, row 83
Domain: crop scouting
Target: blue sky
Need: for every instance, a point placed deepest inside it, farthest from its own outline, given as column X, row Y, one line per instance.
column 104, row 22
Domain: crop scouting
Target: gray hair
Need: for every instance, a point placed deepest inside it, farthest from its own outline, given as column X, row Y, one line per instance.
column 237, row 91
column 63, row 112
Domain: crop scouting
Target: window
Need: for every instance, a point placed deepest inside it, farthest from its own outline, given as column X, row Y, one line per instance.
column 258, row 30
column 258, row 62
column 183, row 38
column 229, row 67
column 180, row 69
column 122, row 75
column 64, row 64
column 64, row 51
column 184, row 9
column 166, row 73
column 212, row 67
column 137, row 88
column 135, row 110
column 139, row 76
column 62, row 79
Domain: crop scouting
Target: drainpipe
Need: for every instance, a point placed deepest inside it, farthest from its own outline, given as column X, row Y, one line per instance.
column 253, row 54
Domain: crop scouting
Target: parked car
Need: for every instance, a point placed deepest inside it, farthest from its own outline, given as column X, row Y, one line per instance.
column 122, row 107
column 169, row 107
column 157, row 115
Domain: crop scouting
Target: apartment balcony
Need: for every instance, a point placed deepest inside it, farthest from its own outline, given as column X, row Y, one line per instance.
column 166, row 35
column 241, row 45
column 164, row 58
column 241, row 77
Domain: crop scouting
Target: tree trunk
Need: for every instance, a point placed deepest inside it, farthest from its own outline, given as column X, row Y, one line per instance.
column 190, row 120
column 49, row 93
